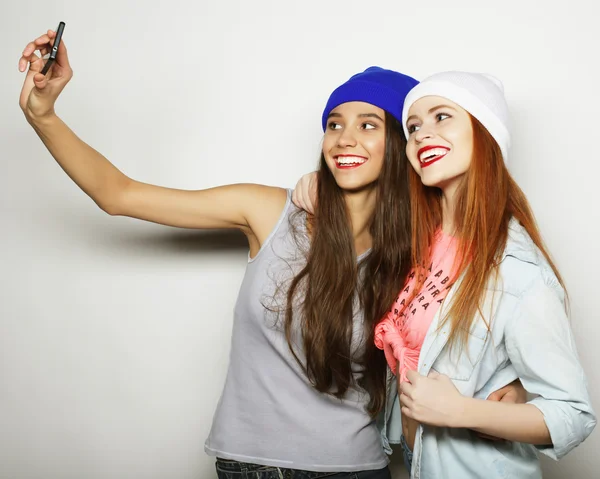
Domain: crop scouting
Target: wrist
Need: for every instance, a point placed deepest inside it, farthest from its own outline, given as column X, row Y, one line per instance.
column 466, row 415
column 38, row 121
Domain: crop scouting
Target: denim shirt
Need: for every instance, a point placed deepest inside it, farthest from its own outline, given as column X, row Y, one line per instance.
column 529, row 338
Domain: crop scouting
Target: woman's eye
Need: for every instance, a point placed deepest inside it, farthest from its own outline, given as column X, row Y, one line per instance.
column 334, row 126
column 442, row 116
column 412, row 128
column 368, row 126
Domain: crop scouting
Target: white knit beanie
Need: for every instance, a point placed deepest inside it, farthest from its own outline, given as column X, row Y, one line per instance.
column 480, row 94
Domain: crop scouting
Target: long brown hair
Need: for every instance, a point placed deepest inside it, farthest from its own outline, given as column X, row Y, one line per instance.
column 487, row 199
column 332, row 277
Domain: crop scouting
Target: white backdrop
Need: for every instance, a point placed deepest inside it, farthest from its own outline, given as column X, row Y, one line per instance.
column 114, row 334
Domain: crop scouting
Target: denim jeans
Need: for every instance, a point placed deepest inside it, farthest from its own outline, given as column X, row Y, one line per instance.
column 227, row 469
column 408, row 454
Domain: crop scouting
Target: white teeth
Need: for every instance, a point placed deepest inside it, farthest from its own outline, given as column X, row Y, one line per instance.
column 430, row 154
column 349, row 160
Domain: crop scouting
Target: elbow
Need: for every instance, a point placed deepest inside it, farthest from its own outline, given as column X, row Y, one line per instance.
column 584, row 422
column 579, row 433
column 588, row 421
column 112, row 201
column 110, row 208
column 569, row 425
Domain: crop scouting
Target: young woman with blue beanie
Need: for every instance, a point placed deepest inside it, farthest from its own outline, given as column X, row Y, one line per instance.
column 483, row 304
column 297, row 402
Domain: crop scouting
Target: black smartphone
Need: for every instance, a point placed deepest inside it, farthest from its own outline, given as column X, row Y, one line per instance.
column 54, row 51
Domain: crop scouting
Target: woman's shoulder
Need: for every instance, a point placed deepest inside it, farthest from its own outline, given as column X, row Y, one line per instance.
column 269, row 203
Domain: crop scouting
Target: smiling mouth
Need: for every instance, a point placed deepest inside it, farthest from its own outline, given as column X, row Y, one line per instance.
column 432, row 155
column 349, row 161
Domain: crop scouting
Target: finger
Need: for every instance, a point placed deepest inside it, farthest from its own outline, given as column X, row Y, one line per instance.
column 41, row 43
column 40, row 81
column 407, row 388
column 510, row 397
column 412, row 376
column 496, row 396
column 309, row 206
column 302, row 205
column 312, row 193
column 42, row 40
column 406, row 401
column 25, row 60
column 28, row 56
column 297, row 193
column 301, row 200
column 513, row 397
column 62, row 57
column 297, row 199
column 407, row 412
column 29, row 49
column 505, row 394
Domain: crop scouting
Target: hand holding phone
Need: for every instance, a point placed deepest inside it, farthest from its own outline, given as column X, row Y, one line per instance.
column 46, row 76
column 54, row 50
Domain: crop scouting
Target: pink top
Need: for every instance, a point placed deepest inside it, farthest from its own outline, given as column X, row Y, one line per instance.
column 401, row 334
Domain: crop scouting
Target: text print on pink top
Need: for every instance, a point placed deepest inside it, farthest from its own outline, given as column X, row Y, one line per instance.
column 403, row 330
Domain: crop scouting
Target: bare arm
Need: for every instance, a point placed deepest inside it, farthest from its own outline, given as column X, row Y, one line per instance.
column 434, row 400
column 251, row 208
column 514, row 422
column 511, row 393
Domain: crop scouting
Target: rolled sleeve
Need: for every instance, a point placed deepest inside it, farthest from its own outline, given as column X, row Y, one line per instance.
column 540, row 345
column 569, row 426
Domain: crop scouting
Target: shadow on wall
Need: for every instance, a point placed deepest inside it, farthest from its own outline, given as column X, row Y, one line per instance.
column 140, row 238
column 180, row 242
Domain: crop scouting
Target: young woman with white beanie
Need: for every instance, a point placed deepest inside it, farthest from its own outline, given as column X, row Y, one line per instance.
column 485, row 300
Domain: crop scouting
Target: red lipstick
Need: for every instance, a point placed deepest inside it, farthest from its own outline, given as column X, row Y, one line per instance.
column 434, row 159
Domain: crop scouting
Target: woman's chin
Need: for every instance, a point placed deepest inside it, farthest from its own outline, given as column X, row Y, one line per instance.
column 356, row 186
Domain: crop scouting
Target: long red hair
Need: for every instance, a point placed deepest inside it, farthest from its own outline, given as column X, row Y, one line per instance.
column 486, row 200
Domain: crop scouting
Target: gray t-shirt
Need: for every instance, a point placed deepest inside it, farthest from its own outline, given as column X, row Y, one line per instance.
column 269, row 413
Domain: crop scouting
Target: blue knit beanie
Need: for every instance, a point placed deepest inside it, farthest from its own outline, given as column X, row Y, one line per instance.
column 385, row 89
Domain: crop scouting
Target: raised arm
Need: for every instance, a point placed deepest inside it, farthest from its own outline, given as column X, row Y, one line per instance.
column 251, row 208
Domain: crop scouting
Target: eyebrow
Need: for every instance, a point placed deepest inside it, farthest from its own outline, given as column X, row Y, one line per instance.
column 431, row 110
column 362, row 115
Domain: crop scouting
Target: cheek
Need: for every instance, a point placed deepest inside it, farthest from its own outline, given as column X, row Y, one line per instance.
column 328, row 143
column 462, row 143
column 376, row 148
column 466, row 147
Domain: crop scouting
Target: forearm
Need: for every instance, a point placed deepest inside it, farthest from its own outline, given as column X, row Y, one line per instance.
column 91, row 171
column 513, row 422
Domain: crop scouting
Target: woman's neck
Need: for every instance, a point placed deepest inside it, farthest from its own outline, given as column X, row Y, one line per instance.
column 449, row 197
column 361, row 205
